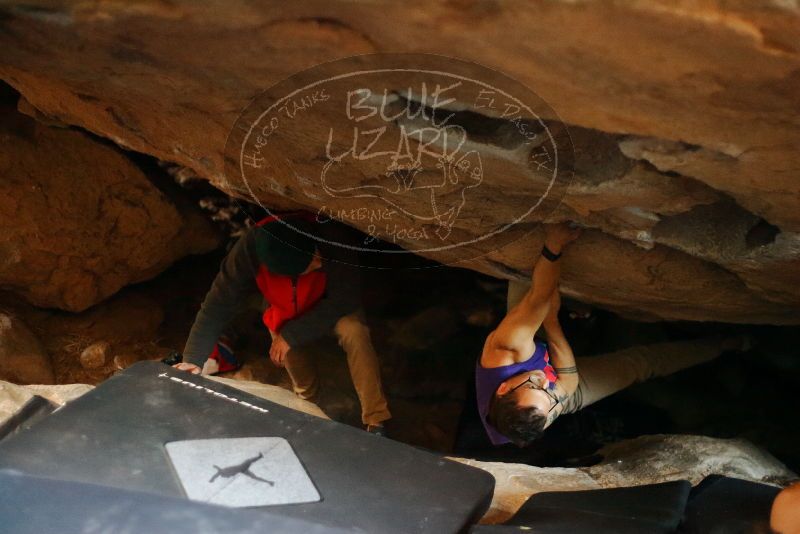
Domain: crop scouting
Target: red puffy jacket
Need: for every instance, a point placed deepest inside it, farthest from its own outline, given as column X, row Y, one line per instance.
column 288, row 296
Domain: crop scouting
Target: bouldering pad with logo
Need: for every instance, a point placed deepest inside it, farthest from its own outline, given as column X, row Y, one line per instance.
column 37, row 505
column 122, row 434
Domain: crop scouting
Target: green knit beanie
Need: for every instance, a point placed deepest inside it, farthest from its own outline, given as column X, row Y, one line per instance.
column 282, row 247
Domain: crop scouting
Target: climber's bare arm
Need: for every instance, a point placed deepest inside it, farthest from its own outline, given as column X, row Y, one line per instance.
column 513, row 338
column 561, row 357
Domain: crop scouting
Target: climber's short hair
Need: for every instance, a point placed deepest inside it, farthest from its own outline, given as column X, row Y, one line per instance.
column 521, row 425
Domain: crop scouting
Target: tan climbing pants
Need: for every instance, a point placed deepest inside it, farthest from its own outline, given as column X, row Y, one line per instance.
column 606, row 374
column 354, row 338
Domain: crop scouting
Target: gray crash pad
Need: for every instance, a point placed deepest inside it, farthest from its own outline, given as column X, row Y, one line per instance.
column 36, row 505
column 118, row 434
column 652, row 508
column 726, row 505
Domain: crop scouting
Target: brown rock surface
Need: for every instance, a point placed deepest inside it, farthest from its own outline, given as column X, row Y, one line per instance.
column 84, row 346
column 79, row 220
column 126, row 325
column 684, row 117
column 23, row 360
column 95, row 355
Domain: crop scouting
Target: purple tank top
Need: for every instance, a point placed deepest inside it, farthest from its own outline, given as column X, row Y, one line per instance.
column 488, row 380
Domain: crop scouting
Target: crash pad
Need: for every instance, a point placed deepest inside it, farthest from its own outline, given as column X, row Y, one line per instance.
column 37, row 505
column 117, row 435
column 652, row 508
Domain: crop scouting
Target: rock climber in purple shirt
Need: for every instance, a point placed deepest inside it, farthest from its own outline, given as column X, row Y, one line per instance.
column 517, row 387
column 523, row 385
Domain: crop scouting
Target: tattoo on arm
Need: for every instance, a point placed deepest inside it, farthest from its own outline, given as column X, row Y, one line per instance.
column 566, row 370
column 562, row 397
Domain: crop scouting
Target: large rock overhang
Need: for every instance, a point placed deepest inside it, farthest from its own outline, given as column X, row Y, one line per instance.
column 684, row 121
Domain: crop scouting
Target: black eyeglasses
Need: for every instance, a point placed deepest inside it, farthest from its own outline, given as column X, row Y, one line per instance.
column 534, row 386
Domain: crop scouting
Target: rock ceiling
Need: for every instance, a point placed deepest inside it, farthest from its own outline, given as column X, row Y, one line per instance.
column 683, row 117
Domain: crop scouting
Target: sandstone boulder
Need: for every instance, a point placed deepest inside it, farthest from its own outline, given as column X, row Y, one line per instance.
column 680, row 114
column 119, row 332
column 95, row 355
column 79, row 220
column 83, row 346
column 23, row 360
